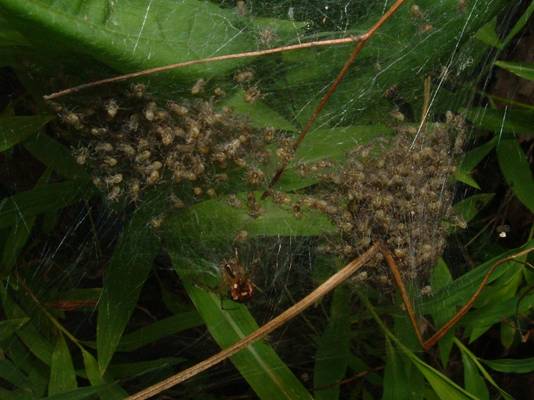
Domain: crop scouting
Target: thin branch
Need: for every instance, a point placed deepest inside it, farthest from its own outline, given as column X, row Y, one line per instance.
column 330, row 284
column 340, row 76
column 436, row 337
column 165, row 68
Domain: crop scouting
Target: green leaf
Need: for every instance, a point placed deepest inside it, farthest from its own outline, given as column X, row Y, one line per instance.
column 396, row 384
column 499, row 121
column 475, row 362
column 55, row 156
column 513, row 366
column 459, row 291
column 523, row 70
column 332, row 357
column 62, row 374
column 480, row 320
column 158, row 330
column 43, row 199
column 12, row 374
column 213, row 221
column 123, row 280
column 14, row 130
column 470, row 160
column 135, row 369
column 10, row 326
column 36, row 371
column 110, row 391
column 521, row 22
column 259, row 114
column 516, row 170
column 9, row 37
column 78, row 394
column 19, row 234
column 473, row 382
column 331, row 144
column 444, row 388
column 441, row 277
column 135, row 35
column 471, row 206
column 28, row 334
column 488, row 34
column 261, row 367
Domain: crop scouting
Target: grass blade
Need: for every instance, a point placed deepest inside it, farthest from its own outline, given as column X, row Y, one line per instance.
column 124, row 277
column 516, row 170
column 332, row 357
column 62, row 374
column 513, row 366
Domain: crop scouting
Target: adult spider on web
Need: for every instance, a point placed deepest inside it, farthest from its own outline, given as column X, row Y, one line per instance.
column 236, row 279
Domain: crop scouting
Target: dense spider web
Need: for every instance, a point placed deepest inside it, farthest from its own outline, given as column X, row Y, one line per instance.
column 384, row 86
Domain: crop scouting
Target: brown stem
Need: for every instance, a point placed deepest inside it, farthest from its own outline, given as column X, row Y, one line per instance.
column 436, row 337
column 165, row 68
column 340, row 76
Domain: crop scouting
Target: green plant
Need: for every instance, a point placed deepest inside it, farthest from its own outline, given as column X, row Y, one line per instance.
column 116, row 341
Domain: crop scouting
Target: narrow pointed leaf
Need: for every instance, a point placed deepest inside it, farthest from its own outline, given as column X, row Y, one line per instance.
column 516, row 170
column 14, row 130
column 123, row 280
column 62, row 374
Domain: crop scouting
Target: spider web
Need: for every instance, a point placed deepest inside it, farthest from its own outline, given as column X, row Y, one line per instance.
column 381, row 96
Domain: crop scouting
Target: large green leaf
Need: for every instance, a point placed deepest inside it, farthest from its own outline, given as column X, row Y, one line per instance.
column 400, row 54
column 133, row 35
column 123, row 280
column 14, row 130
column 327, row 144
column 261, row 367
column 62, row 374
column 217, row 221
column 516, row 170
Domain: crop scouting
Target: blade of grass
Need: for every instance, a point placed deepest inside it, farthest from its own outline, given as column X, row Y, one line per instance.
column 158, row 330
column 332, row 356
column 123, row 280
column 512, row 366
column 516, row 170
column 474, row 359
column 62, row 374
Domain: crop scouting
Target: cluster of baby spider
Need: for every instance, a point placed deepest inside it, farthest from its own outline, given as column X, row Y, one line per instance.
column 397, row 191
column 133, row 142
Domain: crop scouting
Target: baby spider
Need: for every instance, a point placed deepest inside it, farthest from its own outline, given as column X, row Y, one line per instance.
column 236, row 279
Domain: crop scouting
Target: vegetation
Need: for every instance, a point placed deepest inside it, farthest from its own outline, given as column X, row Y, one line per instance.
column 137, row 240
